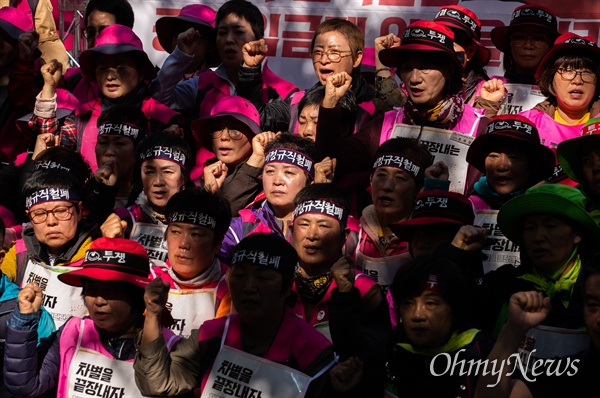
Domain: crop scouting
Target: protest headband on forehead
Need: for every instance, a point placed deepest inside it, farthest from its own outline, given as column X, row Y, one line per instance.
column 283, row 155
column 124, row 129
column 432, row 284
column 193, row 217
column 322, row 206
column 165, row 152
column 49, row 165
column 400, row 162
column 263, row 258
column 51, row 195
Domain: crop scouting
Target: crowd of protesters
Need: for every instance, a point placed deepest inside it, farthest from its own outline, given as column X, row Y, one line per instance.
column 408, row 226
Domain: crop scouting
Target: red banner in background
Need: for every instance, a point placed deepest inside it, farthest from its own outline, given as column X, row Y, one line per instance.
column 290, row 24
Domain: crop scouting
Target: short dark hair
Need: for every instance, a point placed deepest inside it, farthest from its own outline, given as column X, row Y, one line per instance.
column 291, row 141
column 200, row 200
column 295, row 142
column 245, row 10
column 453, row 285
column 167, row 140
column 324, row 191
column 274, row 245
column 68, row 158
column 579, row 61
column 128, row 114
column 60, row 179
column 315, row 95
column 121, row 9
column 410, row 148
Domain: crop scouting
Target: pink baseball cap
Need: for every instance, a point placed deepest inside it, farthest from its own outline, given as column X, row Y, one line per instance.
column 116, row 39
column 232, row 107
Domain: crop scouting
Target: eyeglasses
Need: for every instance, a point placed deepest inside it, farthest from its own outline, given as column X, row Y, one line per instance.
column 332, row 55
column 571, row 74
column 61, row 213
column 91, row 31
column 537, row 41
column 217, row 132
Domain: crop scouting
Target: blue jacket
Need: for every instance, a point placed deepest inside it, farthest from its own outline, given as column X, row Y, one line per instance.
column 258, row 218
column 8, row 301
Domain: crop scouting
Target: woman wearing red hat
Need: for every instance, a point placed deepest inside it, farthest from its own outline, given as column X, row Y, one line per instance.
column 527, row 38
column 568, row 76
column 432, row 75
column 467, row 42
column 512, row 159
column 524, row 42
column 121, row 68
column 90, row 355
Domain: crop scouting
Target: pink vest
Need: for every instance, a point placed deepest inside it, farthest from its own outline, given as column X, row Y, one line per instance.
column 87, row 132
column 478, row 203
column 551, row 132
column 467, row 124
column 91, row 340
column 294, row 339
column 84, row 90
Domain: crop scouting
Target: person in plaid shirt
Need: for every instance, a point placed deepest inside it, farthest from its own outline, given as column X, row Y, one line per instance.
column 121, row 68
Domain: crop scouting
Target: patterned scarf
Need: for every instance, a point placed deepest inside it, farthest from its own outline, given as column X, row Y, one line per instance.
column 444, row 114
column 312, row 289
